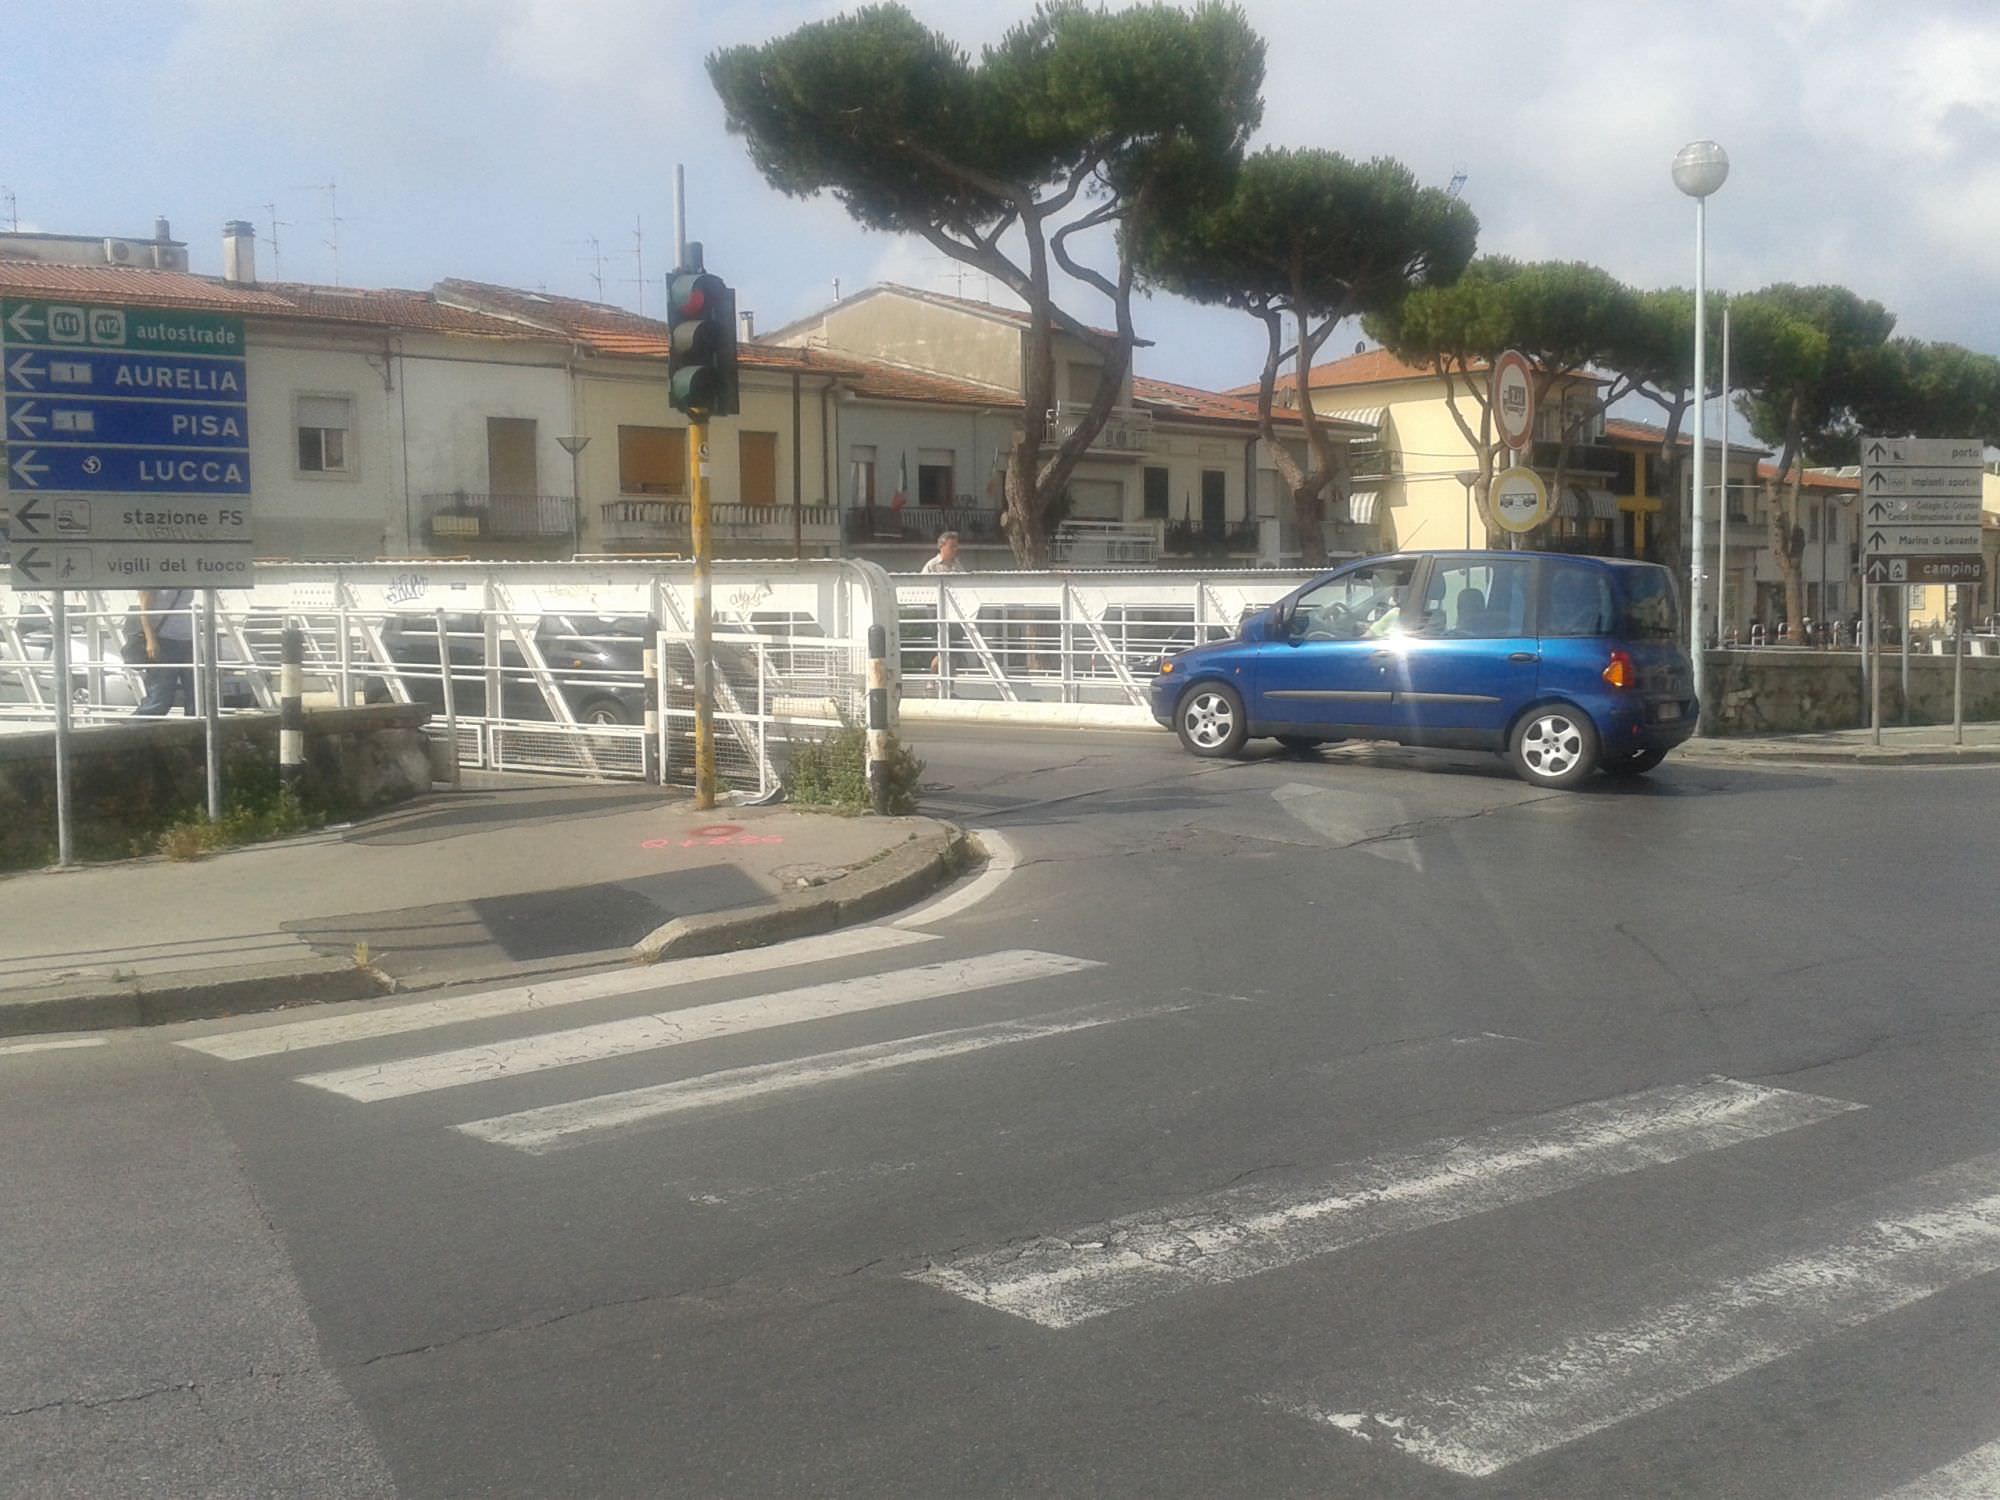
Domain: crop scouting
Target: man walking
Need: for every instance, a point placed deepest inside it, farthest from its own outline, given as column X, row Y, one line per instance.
column 167, row 618
column 946, row 560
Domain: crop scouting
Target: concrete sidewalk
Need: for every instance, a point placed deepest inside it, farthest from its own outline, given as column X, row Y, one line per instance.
column 1918, row 745
column 507, row 879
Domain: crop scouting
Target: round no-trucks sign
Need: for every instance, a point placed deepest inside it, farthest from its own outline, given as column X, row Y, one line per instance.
column 1513, row 397
column 1520, row 499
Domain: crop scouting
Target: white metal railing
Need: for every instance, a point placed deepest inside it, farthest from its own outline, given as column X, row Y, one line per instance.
column 770, row 694
column 545, row 659
column 981, row 638
column 1126, row 429
column 1101, row 544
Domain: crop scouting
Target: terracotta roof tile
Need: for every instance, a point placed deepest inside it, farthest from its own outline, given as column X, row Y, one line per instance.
column 131, row 285
column 1361, row 369
column 136, row 287
column 1815, row 479
column 417, row 311
column 893, row 383
column 1625, row 430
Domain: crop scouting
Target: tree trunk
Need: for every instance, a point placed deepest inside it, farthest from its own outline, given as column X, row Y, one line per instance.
column 1023, row 520
column 1793, row 566
column 1787, row 536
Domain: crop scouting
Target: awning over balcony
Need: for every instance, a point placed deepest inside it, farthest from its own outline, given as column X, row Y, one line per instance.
column 1581, row 503
column 1372, row 415
column 1361, row 507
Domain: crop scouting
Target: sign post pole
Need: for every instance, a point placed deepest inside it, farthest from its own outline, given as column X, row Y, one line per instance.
column 59, row 657
column 704, row 621
column 1875, row 666
column 1903, row 635
column 211, row 702
column 1962, row 616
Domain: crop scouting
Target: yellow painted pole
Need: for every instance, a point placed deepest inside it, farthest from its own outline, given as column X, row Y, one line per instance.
column 704, row 618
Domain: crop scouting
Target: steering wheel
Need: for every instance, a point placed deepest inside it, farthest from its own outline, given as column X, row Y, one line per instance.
column 1326, row 621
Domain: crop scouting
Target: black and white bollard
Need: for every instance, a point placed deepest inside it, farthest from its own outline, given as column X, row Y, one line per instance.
column 291, row 707
column 878, row 718
column 650, row 754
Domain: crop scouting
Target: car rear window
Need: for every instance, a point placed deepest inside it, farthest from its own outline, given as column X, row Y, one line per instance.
column 1652, row 605
column 1576, row 600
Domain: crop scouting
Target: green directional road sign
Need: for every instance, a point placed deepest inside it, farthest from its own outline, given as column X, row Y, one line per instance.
column 59, row 325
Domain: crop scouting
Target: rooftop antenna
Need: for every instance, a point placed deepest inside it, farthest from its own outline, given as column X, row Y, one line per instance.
column 277, row 262
column 333, row 219
column 639, row 259
column 595, row 260
column 13, row 210
column 1458, row 176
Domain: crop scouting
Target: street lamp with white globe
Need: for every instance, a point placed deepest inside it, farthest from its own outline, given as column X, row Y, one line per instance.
column 1699, row 169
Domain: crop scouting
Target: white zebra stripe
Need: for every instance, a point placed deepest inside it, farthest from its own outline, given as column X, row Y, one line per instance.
column 697, row 1023
column 422, row 1015
column 1223, row 1237
column 1883, row 1252
column 1976, row 1476
column 554, row 1126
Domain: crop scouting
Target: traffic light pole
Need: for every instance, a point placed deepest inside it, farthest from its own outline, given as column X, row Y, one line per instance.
column 704, row 618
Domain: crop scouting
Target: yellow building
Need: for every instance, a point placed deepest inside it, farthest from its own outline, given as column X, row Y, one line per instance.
column 1421, row 495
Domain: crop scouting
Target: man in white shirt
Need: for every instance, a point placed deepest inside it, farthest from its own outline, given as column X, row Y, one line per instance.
column 946, row 560
column 167, row 617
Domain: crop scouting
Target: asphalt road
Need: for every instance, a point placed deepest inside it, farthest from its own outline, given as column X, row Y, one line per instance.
column 1349, row 1125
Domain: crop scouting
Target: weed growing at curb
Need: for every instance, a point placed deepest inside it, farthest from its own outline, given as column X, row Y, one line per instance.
column 260, row 808
column 834, row 773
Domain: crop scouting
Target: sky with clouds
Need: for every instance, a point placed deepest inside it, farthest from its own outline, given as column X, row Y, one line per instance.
column 494, row 139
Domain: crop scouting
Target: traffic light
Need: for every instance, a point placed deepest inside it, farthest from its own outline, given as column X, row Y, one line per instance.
column 701, row 357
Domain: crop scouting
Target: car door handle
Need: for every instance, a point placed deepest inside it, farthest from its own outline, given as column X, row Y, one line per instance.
column 1523, row 656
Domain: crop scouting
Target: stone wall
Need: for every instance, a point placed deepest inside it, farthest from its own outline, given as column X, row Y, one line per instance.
column 138, row 775
column 1781, row 691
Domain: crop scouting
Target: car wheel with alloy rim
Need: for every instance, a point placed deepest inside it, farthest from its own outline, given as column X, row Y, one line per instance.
column 1555, row 745
column 1210, row 720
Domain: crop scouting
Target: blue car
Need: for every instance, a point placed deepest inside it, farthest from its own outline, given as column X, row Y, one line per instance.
column 1569, row 665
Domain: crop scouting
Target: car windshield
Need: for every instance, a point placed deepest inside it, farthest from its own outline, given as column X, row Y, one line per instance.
column 1652, row 608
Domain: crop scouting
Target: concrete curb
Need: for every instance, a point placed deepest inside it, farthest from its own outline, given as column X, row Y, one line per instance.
column 1832, row 755
column 194, row 996
column 900, row 878
column 1028, row 715
column 930, row 857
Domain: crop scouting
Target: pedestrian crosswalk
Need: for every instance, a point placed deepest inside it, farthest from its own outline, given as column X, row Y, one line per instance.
column 1735, row 1308
column 909, row 989
column 1504, row 1394
column 1243, row 1232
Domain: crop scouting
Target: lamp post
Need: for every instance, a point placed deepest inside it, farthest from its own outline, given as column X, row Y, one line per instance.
column 573, row 444
column 1468, row 478
column 1699, row 169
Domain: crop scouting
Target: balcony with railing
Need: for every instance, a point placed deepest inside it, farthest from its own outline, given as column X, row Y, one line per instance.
column 921, row 523
column 672, row 520
column 1584, row 457
column 460, row 517
column 1198, row 539
column 1126, row 430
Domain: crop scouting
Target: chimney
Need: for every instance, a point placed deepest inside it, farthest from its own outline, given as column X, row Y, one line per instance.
column 161, row 229
column 746, row 326
column 239, row 252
